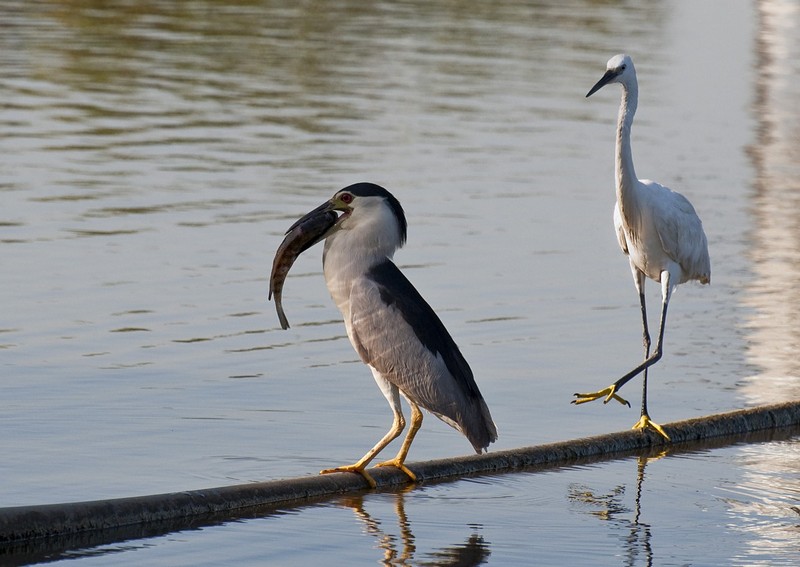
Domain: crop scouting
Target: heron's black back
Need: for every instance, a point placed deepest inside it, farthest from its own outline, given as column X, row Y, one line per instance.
column 397, row 291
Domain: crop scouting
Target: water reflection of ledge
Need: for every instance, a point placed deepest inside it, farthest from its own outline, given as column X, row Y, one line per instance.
column 774, row 295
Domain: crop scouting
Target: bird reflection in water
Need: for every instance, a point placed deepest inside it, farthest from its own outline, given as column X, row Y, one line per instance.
column 400, row 550
column 611, row 507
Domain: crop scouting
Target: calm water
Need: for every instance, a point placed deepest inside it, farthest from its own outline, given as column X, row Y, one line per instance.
column 152, row 156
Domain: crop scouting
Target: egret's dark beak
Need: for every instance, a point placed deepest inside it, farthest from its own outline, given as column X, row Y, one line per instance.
column 607, row 78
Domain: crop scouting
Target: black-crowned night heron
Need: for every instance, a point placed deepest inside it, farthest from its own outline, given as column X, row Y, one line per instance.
column 657, row 228
column 392, row 328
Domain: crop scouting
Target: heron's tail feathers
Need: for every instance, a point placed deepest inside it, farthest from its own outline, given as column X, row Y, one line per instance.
column 476, row 424
column 483, row 431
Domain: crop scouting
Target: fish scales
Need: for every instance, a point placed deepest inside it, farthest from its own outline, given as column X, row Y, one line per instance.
column 301, row 236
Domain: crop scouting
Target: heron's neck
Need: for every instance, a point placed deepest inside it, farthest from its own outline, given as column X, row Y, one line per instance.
column 625, row 174
column 348, row 255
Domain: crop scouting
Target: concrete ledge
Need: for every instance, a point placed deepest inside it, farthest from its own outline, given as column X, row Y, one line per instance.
column 83, row 524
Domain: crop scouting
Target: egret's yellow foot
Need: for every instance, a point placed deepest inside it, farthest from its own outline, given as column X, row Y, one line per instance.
column 356, row 468
column 397, row 463
column 609, row 393
column 645, row 422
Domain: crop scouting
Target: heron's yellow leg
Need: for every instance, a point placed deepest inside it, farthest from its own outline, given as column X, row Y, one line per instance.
column 400, row 458
column 354, row 468
column 645, row 422
column 360, row 467
column 609, row 394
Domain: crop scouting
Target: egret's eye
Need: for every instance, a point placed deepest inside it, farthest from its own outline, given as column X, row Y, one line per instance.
column 622, row 68
column 346, row 198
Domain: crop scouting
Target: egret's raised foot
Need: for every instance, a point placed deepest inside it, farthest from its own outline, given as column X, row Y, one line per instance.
column 645, row 422
column 356, row 468
column 607, row 393
column 399, row 464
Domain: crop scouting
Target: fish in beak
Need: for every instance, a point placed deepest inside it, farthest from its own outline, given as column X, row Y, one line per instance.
column 302, row 235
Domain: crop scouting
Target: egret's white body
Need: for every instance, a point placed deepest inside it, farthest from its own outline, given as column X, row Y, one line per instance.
column 657, row 228
column 393, row 330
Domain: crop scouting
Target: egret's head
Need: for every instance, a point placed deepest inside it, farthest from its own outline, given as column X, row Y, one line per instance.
column 619, row 69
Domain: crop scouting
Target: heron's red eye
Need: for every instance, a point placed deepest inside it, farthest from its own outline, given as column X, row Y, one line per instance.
column 346, row 198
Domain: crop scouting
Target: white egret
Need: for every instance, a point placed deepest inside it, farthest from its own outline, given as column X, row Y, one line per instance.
column 657, row 228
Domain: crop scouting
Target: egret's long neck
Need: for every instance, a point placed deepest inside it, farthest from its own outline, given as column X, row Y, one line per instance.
column 625, row 174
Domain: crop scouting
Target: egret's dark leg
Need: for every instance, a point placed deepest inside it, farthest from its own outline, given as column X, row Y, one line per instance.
column 644, row 420
column 650, row 360
column 645, row 336
column 610, row 392
column 639, row 279
column 646, row 344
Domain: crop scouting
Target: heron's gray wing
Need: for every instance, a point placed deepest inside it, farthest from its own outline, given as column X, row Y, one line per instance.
column 395, row 331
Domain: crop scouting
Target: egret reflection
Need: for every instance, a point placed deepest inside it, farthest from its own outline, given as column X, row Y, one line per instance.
column 610, row 506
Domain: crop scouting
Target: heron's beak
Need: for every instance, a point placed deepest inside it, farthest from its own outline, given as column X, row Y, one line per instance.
column 316, row 224
column 319, row 211
column 607, row 78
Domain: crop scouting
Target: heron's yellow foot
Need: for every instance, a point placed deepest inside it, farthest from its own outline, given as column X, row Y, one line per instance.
column 356, row 468
column 645, row 422
column 609, row 394
column 397, row 463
